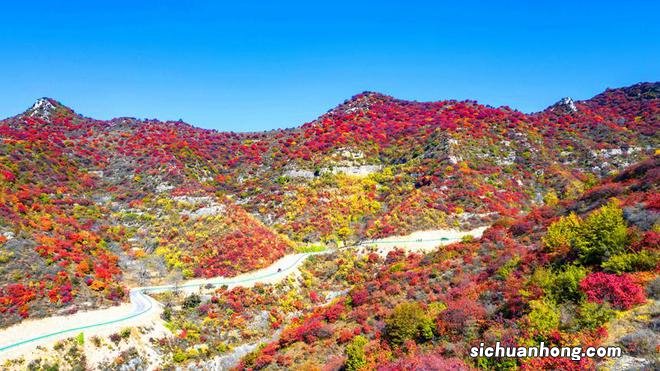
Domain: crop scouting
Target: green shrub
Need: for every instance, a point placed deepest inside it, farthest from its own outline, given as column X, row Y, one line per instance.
column 223, row 347
column 191, row 301
column 398, row 267
column 605, row 234
column 435, row 308
column 497, row 363
column 561, row 286
column 310, row 248
column 125, row 333
column 551, row 198
column 408, row 321
column 5, row 256
column 566, row 284
column 80, row 339
column 355, row 352
column 543, row 278
column 167, row 314
column 505, row 270
column 179, row 356
column 631, row 262
column 592, row 315
column 282, row 179
column 563, row 232
column 544, row 315
column 601, row 235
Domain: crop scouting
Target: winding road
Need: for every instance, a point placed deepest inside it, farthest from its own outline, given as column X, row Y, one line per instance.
column 143, row 304
column 42, row 330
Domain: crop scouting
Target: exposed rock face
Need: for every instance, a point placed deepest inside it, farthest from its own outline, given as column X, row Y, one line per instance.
column 565, row 105
column 42, row 108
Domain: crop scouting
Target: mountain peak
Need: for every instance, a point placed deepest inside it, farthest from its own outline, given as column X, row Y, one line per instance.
column 564, row 105
column 44, row 107
column 361, row 102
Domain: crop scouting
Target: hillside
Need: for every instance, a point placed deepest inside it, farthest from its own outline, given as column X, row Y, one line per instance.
column 578, row 272
column 87, row 206
column 582, row 272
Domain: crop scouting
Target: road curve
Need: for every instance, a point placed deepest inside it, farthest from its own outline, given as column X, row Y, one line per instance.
column 143, row 304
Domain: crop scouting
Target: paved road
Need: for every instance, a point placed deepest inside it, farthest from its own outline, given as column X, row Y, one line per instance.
column 143, row 304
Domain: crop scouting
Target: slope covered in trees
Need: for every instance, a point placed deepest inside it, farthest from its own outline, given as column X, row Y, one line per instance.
column 87, row 206
column 561, row 275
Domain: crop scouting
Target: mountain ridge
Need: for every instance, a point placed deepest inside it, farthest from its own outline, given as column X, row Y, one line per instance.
column 364, row 98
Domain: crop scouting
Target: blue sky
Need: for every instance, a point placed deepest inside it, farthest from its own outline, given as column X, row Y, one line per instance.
column 260, row 65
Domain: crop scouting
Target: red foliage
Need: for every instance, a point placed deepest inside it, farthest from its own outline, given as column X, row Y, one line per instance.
column 7, row 175
column 619, row 290
column 46, row 174
column 314, row 297
column 15, row 298
column 251, row 245
column 522, row 227
column 345, row 335
column 308, row 331
column 359, row 297
column 333, row 312
column 458, row 315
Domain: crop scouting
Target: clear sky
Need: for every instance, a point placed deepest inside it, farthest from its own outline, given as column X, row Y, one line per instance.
column 249, row 65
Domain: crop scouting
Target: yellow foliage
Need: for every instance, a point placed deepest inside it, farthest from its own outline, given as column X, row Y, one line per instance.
column 551, row 198
column 562, row 232
column 97, row 285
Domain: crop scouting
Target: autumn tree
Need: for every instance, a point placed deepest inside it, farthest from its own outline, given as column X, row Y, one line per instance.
column 605, row 234
column 355, row 352
column 601, row 235
column 408, row 321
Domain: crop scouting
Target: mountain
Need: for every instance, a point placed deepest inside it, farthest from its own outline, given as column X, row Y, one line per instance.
column 88, row 206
